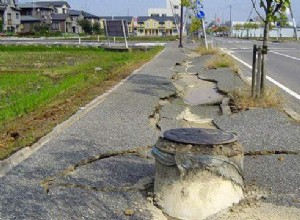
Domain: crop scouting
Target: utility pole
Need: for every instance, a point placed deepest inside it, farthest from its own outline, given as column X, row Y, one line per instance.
column 181, row 25
column 230, row 20
column 294, row 22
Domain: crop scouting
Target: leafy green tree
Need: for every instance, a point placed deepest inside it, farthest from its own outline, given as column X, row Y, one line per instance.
column 273, row 10
column 97, row 27
column 238, row 27
column 86, row 26
column 247, row 26
column 195, row 25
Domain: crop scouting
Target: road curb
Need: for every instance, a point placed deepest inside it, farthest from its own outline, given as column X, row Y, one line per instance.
column 292, row 114
column 21, row 155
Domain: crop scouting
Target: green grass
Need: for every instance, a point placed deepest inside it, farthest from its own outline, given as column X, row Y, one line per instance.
column 33, row 76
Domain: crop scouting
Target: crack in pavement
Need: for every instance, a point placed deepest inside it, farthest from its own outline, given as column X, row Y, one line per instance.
column 155, row 117
column 52, row 180
column 271, row 152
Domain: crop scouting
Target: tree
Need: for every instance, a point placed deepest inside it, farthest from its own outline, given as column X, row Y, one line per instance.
column 86, row 26
column 195, row 25
column 238, row 27
column 247, row 26
column 97, row 27
column 184, row 3
column 272, row 9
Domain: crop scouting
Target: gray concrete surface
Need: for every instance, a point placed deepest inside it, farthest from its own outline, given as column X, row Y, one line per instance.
column 105, row 188
column 120, row 122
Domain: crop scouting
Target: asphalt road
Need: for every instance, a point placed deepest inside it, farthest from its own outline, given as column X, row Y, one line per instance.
column 283, row 65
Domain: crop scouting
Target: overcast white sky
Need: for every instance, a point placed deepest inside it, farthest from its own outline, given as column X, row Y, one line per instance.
column 220, row 8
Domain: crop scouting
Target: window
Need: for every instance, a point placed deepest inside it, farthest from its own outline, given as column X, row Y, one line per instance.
column 176, row 6
column 17, row 16
column 155, row 24
column 8, row 16
column 147, row 24
column 55, row 26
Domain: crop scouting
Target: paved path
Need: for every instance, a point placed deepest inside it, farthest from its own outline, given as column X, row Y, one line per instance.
column 51, row 184
column 120, row 122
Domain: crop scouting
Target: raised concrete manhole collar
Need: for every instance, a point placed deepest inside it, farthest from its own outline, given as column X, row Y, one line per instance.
column 200, row 136
column 199, row 172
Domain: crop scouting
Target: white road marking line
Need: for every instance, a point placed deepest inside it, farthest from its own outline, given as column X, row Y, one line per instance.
column 286, row 89
column 281, row 54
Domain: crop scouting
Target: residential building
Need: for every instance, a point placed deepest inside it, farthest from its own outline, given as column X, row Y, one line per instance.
column 33, row 15
column 172, row 9
column 156, row 26
column 59, row 7
column 75, row 17
column 28, row 23
column 92, row 18
column 10, row 18
column 61, row 23
column 52, row 13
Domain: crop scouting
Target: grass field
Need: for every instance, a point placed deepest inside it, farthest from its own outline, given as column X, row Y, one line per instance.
column 41, row 86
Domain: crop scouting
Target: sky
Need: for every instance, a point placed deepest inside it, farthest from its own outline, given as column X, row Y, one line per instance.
column 219, row 8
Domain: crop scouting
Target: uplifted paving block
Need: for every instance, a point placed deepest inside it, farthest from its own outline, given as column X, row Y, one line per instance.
column 198, row 172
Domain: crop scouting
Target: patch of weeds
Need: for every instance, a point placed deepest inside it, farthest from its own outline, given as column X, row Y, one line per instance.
column 222, row 61
column 210, row 51
column 243, row 100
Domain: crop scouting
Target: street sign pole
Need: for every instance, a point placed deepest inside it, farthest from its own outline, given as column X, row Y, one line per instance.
column 294, row 22
column 201, row 15
column 204, row 32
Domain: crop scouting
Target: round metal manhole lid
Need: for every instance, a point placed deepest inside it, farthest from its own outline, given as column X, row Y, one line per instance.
column 200, row 136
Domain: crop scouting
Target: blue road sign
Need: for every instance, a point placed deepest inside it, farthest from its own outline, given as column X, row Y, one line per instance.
column 200, row 14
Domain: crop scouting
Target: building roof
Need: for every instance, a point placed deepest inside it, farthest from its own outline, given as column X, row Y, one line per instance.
column 75, row 12
column 89, row 15
column 54, row 3
column 30, row 5
column 157, row 18
column 28, row 18
column 59, row 17
column 106, row 17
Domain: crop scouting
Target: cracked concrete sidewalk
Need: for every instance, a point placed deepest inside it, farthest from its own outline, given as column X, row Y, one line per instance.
column 99, row 167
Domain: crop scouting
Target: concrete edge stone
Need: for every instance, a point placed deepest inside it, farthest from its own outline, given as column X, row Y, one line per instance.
column 292, row 114
column 7, row 164
column 225, row 106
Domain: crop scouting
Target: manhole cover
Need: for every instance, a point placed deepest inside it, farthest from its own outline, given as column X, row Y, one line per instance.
column 199, row 136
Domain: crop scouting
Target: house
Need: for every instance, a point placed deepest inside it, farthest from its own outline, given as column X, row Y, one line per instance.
column 28, row 23
column 35, row 12
column 59, row 7
column 10, row 19
column 61, row 23
column 92, row 18
column 156, row 26
column 53, row 13
column 75, row 17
